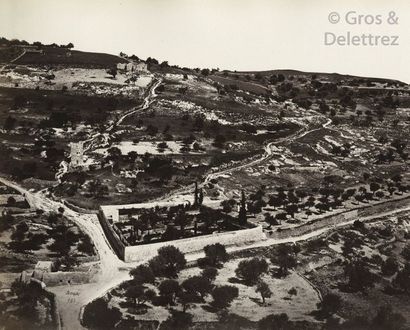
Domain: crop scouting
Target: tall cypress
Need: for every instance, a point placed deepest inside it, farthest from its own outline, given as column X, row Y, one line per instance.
column 242, row 211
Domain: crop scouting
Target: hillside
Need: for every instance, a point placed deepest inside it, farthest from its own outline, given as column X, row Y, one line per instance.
column 65, row 57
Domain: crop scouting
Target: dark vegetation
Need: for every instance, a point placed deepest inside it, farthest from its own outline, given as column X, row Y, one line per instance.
column 20, row 307
column 157, row 283
column 43, row 237
column 141, row 226
column 46, row 110
column 69, row 58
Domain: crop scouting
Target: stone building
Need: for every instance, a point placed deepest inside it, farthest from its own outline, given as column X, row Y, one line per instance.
column 133, row 67
column 77, row 155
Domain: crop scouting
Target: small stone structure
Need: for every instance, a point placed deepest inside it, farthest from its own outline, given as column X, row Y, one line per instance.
column 77, row 154
column 35, row 277
column 141, row 67
column 133, row 67
column 44, row 266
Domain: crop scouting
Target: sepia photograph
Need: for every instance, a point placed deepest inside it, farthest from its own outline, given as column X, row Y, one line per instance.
column 204, row 165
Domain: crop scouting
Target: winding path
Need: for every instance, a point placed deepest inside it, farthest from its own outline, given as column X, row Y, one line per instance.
column 268, row 153
column 149, row 98
column 13, row 60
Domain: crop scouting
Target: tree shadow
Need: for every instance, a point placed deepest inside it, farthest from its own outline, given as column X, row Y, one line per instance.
column 318, row 315
column 277, row 273
column 210, row 309
column 235, row 280
column 346, row 288
column 132, row 309
column 391, row 291
column 258, row 301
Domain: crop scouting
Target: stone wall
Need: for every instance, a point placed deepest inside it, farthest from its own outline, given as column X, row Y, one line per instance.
column 386, row 206
column 195, row 244
column 112, row 237
column 114, row 211
column 77, row 208
column 54, row 309
column 314, row 225
column 64, row 278
column 342, row 217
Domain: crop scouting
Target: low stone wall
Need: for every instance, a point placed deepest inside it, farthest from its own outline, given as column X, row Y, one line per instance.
column 343, row 216
column 93, row 258
column 314, row 225
column 385, row 206
column 195, row 244
column 112, row 237
column 64, row 278
column 78, row 209
column 114, row 211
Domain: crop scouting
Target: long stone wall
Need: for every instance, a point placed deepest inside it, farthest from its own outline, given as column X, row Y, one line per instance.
column 343, row 216
column 195, row 244
column 386, row 206
column 64, row 278
column 113, row 238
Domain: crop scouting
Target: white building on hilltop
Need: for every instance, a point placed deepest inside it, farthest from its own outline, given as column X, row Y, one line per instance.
column 133, row 67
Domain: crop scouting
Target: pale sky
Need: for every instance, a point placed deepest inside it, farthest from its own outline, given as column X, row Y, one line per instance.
column 228, row 34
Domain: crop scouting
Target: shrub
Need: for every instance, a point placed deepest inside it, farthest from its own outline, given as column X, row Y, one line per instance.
column 224, row 295
column 329, row 305
column 390, row 266
column 274, row 321
column 139, row 295
column 250, row 270
column 376, row 259
column 285, row 258
column 359, row 275
column 98, row 315
column 209, row 273
column 169, row 262
column 142, row 274
column 386, row 319
column 293, row 292
column 316, row 244
column 402, row 279
column 216, row 254
column 406, row 252
column 264, row 290
column 11, row 201
column 169, row 288
column 177, row 320
column 197, row 285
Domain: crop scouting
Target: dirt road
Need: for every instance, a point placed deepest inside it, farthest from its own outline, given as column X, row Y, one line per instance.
column 110, row 265
column 268, row 153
